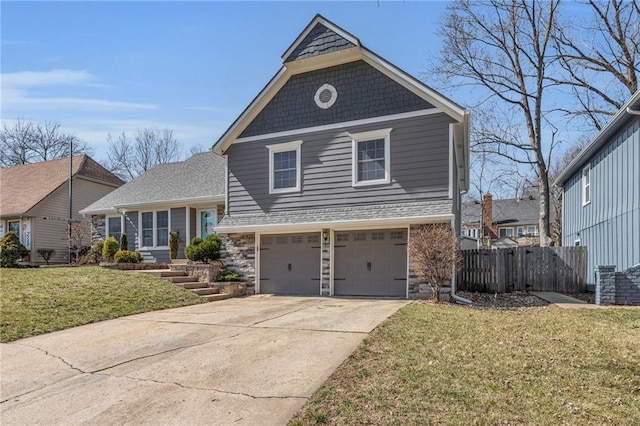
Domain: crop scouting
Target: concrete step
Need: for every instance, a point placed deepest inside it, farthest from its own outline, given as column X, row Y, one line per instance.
column 191, row 286
column 214, row 297
column 181, row 279
column 162, row 273
column 205, row 291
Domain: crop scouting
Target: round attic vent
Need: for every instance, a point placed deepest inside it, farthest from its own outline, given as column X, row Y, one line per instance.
column 326, row 96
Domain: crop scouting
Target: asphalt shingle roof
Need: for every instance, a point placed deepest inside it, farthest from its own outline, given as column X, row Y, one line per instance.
column 199, row 176
column 512, row 211
column 22, row 187
column 341, row 214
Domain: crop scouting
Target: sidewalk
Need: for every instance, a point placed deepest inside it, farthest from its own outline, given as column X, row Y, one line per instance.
column 565, row 302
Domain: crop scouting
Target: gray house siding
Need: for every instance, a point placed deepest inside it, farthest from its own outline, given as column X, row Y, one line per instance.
column 363, row 92
column 610, row 225
column 419, row 150
column 320, row 40
column 193, row 223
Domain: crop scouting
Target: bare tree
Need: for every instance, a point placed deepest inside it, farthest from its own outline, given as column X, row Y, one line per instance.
column 504, row 48
column 129, row 158
column 79, row 237
column 435, row 254
column 26, row 142
column 601, row 58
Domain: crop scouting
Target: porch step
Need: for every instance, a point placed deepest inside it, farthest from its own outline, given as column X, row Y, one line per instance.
column 147, row 257
column 192, row 285
column 214, row 297
column 181, row 279
column 162, row 273
column 205, row 291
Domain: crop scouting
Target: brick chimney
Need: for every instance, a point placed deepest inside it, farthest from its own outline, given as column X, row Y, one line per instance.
column 488, row 230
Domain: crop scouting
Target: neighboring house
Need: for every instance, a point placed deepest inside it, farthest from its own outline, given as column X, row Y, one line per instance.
column 34, row 201
column 185, row 197
column 332, row 167
column 491, row 220
column 601, row 194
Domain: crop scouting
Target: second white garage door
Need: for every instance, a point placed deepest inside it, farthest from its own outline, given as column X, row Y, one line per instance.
column 371, row 263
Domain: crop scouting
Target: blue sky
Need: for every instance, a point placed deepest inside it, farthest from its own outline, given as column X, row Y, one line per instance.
column 100, row 67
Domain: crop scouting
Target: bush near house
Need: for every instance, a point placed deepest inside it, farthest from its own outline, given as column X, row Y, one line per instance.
column 11, row 250
column 204, row 250
column 109, row 248
column 227, row 275
column 124, row 244
column 174, row 242
column 126, row 256
column 435, row 253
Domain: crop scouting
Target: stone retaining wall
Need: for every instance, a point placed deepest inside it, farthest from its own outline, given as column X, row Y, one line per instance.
column 617, row 288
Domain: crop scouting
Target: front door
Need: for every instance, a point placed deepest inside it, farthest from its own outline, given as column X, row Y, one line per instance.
column 208, row 222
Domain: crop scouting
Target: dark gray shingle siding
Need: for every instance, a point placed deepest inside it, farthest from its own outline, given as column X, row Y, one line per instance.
column 363, row 92
column 319, row 40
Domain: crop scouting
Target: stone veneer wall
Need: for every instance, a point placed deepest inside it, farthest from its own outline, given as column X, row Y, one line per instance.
column 617, row 288
column 326, row 263
column 98, row 227
column 240, row 256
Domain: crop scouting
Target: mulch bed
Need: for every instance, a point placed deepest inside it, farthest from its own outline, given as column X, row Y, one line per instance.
column 515, row 300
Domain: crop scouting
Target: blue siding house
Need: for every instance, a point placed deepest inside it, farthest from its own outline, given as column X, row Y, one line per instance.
column 601, row 194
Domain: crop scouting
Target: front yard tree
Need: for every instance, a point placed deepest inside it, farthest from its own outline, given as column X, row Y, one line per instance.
column 435, row 254
column 129, row 158
column 24, row 142
column 505, row 48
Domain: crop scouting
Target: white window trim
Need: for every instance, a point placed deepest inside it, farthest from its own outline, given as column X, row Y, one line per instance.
column 586, row 187
column 110, row 216
column 284, row 147
column 155, row 228
column 506, row 229
column 367, row 136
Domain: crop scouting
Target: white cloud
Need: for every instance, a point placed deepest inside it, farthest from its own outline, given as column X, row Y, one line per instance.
column 20, row 92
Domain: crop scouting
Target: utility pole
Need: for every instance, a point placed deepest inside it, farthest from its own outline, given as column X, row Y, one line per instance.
column 70, row 197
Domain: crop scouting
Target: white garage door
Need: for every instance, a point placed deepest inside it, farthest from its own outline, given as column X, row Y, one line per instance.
column 290, row 264
column 371, row 263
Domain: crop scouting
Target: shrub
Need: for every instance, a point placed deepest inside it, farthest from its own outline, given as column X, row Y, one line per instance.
column 126, row 256
column 204, row 250
column 11, row 250
column 174, row 242
column 109, row 248
column 124, row 245
column 46, row 254
column 435, row 253
column 226, row 275
column 95, row 254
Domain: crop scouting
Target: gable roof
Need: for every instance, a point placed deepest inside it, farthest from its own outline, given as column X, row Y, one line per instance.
column 511, row 211
column 323, row 44
column 24, row 186
column 601, row 139
column 200, row 178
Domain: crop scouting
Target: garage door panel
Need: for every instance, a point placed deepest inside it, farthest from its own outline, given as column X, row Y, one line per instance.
column 290, row 264
column 371, row 263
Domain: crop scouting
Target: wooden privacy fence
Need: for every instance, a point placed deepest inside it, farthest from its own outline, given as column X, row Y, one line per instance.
column 561, row 269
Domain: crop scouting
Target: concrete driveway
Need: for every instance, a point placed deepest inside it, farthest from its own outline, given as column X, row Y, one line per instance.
column 247, row 361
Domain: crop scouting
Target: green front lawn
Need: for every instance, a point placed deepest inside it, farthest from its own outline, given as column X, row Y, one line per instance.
column 36, row 301
column 445, row 364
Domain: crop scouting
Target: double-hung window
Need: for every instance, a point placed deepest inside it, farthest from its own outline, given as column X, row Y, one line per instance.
column 505, row 232
column 14, row 226
column 586, row 185
column 371, row 157
column 284, row 167
column 114, row 227
column 154, row 228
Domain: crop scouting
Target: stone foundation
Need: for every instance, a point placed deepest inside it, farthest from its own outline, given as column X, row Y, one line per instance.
column 240, row 256
column 98, row 228
column 205, row 273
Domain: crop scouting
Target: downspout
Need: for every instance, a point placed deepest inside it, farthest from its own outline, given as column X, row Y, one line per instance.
column 458, row 299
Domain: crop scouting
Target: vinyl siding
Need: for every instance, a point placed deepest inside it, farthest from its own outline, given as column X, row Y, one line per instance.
column 610, row 225
column 193, row 224
column 52, row 233
column 419, row 168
